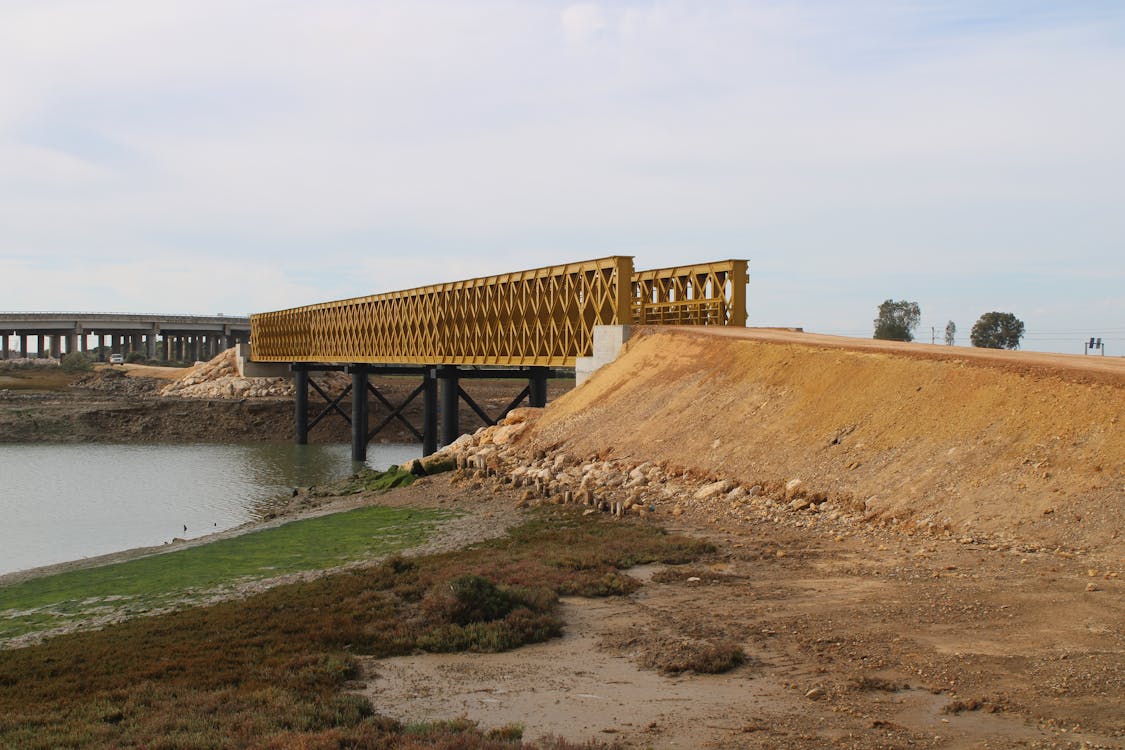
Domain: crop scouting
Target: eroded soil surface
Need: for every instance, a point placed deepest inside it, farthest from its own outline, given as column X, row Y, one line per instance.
column 860, row 638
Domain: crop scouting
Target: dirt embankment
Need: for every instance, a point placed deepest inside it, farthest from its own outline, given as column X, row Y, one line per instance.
column 1028, row 446
column 895, row 565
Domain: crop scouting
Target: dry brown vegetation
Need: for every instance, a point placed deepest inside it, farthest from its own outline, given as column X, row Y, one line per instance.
column 273, row 670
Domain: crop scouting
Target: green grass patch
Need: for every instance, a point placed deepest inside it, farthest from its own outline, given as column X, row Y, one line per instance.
column 273, row 670
column 369, row 480
column 158, row 580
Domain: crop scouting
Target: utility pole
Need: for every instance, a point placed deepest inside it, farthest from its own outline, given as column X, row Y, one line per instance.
column 933, row 335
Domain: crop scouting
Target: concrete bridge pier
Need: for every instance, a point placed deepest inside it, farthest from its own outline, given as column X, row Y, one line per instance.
column 23, row 346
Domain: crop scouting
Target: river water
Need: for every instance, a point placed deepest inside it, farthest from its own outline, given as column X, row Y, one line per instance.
column 66, row 502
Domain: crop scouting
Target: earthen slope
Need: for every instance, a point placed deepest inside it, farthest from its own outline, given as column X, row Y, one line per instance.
column 1022, row 445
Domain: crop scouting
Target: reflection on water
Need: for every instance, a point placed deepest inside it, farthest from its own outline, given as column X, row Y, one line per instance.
column 63, row 502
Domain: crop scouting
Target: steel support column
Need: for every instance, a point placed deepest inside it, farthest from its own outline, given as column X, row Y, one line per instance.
column 430, row 408
column 301, row 405
column 359, row 412
column 537, row 387
column 450, row 402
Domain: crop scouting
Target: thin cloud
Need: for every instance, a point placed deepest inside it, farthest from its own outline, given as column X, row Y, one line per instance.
column 860, row 139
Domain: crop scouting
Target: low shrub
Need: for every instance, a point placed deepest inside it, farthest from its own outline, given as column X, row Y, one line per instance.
column 701, row 657
column 76, row 362
column 135, row 358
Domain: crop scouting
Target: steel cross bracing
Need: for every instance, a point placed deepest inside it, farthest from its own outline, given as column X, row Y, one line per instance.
column 543, row 317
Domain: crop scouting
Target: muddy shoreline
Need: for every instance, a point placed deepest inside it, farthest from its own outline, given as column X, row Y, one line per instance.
column 129, row 410
column 1003, row 648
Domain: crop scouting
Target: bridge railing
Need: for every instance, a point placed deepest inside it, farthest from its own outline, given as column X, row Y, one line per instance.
column 701, row 294
column 540, row 317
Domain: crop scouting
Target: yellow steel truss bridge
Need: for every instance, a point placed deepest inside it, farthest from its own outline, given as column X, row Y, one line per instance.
column 543, row 317
column 518, row 325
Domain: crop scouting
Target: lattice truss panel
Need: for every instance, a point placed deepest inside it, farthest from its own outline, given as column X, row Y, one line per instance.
column 541, row 317
column 704, row 294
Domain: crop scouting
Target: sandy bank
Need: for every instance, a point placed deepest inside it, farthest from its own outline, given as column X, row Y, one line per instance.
column 1027, row 445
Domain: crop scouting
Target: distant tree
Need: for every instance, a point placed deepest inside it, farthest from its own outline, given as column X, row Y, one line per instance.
column 997, row 330
column 950, row 333
column 897, row 320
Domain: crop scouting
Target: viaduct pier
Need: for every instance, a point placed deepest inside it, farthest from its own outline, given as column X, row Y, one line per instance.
column 182, row 338
column 523, row 326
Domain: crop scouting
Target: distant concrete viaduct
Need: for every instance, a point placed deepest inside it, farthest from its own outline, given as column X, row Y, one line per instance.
column 185, row 338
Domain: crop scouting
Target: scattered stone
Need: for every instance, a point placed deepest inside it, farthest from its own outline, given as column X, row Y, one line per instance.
column 709, row 491
column 219, row 379
column 522, row 415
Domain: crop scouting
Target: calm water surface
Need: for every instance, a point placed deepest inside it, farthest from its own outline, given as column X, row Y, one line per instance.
column 65, row 502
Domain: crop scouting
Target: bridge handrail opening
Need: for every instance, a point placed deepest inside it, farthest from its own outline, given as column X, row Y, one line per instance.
column 700, row 294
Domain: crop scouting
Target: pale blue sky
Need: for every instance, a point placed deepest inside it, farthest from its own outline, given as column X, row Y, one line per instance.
column 245, row 156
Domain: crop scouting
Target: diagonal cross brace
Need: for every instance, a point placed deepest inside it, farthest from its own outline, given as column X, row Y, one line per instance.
column 333, row 404
column 396, row 412
column 483, row 414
